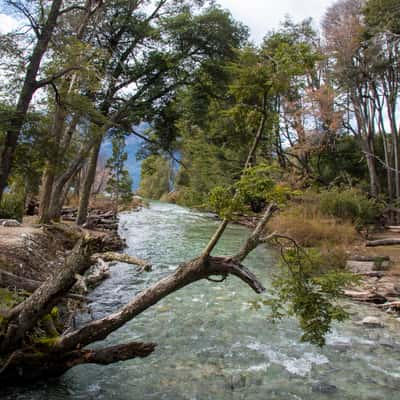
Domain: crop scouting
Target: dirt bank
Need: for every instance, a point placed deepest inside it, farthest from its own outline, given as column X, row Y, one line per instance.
column 34, row 251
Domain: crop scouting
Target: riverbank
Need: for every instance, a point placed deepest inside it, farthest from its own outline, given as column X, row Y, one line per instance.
column 378, row 267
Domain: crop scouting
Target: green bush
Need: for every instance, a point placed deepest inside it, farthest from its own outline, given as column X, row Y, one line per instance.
column 12, row 207
column 351, row 205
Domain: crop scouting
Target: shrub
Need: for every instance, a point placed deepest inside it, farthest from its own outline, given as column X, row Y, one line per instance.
column 350, row 205
column 12, row 207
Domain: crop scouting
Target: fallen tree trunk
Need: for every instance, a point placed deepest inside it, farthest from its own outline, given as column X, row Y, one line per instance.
column 383, row 242
column 11, row 281
column 25, row 315
column 66, row 351
column 25, row 363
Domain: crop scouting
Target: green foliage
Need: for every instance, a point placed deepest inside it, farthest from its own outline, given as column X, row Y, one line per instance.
column 155, row 177
column 350, row 205
column 257, row 184
column 308, row 288
column 119, row 184
column 382, row 15
column 339, row 164
column 12, row 205
column 224, row 202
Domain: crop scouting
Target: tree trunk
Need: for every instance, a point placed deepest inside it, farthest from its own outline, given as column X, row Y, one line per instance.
column 57, row 197
column 29, row 87
column 25, row 315
column 371, row 165
column 52, row 164
column 88, row 182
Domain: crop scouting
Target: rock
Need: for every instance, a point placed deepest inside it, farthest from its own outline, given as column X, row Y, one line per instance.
column 9, row 223
column 324, row 388
column 237, row 382
column 360, row 266
column 387, row 288
column 372, row 322
column 385, row 265
column 340, row 347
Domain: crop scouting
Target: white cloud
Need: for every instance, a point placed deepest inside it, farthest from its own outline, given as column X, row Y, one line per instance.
column 7, row 23
column 259, row 15
column 263, row 15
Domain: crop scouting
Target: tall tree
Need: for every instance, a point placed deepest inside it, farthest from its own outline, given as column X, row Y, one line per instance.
column 43, row 26
column 166, row 46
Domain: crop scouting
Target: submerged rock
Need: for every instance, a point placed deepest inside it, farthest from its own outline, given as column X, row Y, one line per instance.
column 325, row 388
column 372, row 322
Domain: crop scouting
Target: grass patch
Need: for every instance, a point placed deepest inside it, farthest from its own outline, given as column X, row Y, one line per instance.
column 309, row 228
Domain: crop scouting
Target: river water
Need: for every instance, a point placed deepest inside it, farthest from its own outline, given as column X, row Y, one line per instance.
column 211, row 344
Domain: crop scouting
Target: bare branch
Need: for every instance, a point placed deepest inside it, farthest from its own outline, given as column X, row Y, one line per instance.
column 255, row 238
column 123, row 258
column 72, row 8
column 56, row 76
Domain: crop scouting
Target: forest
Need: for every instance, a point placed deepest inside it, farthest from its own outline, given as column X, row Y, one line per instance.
column 296, row 138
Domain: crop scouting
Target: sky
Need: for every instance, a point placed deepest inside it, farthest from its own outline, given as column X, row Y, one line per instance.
column 263, row 15
column 259, row 15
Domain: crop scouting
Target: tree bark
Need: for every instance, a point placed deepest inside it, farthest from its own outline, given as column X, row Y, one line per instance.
column 52, row 164
column 32, row 366
column 57, row 197
column 88, row 182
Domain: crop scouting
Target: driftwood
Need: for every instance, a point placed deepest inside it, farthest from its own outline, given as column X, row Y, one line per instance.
column 123, row 258
column 11, row 281
column 383, row 242
column 27, row 362
column 391, row 305
column 369, row 258
column 101, row 272
column 365, row 296
column 97, row 219
column 371, row 274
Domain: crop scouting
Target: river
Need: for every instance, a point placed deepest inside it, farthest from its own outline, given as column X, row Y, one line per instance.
column 211, row 343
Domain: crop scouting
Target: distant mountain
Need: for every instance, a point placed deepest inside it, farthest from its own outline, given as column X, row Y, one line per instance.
column 133, row 145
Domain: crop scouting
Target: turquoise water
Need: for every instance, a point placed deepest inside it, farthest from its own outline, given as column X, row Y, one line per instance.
column 211, row 344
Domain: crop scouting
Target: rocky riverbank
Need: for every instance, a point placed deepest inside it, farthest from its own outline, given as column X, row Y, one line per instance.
column 379, row 271
column 377, row 266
